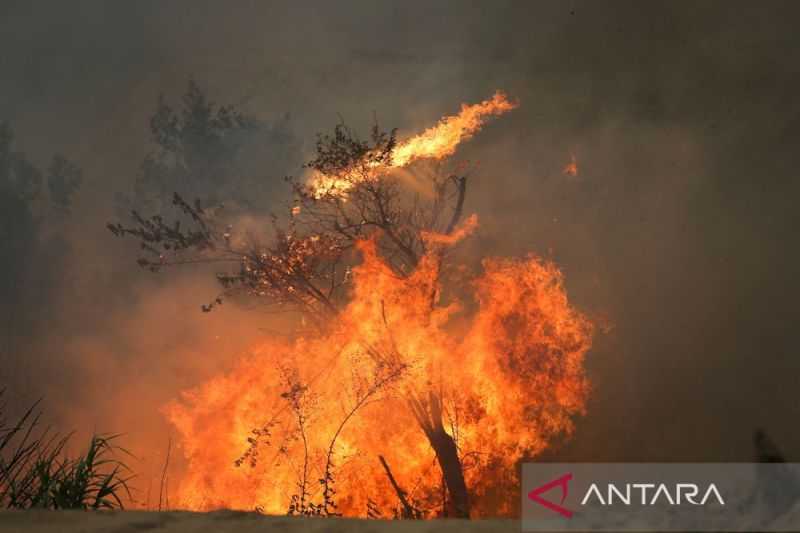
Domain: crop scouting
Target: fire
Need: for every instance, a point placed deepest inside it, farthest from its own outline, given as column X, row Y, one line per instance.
column 506, row 358
column 441, row 140
column 572, row 167
column 318, row 423
column 437, row 142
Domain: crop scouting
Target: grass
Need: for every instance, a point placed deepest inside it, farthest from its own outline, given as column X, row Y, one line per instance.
column 36, row 472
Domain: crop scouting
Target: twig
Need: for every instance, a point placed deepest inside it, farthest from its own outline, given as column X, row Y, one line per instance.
column 408, row 509
column 164, row 475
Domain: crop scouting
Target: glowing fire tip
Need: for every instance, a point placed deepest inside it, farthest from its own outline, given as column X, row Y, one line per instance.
column 466, row 229
column 441, row 140
column 572, row 167
column 437, row 142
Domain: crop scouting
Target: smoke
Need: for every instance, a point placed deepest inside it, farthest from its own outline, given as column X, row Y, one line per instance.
column 676, row 230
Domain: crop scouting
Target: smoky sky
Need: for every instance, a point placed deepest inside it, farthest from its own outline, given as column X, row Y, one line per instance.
column 678, row 231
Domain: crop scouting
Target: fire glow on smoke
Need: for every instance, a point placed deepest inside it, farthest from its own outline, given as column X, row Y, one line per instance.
column 506, row 359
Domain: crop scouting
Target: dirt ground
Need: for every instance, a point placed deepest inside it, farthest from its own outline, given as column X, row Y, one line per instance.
column 225, row 522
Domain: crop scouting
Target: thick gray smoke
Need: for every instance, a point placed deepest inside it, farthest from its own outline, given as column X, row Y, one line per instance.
column 677, row 230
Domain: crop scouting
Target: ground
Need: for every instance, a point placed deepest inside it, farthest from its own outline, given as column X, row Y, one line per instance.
column 226, row 522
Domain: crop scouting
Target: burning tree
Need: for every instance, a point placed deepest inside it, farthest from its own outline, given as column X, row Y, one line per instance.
column 450, row 377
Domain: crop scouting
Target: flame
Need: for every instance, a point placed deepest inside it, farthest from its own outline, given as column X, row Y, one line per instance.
column 441, row 140
column 437, row 142
column 506, row 357
column 572, row 167
column 466, row 228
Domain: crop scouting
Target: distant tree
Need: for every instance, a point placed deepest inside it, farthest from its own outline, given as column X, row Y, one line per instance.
column 206, row 151
column 19, row 178
column 63, row 180
column 24, row 206
column 21, row 181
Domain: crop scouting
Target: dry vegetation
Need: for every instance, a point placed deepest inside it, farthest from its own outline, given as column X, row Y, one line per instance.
column 37, row 473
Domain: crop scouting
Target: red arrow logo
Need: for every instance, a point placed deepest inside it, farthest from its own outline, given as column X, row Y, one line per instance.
column 563, row 482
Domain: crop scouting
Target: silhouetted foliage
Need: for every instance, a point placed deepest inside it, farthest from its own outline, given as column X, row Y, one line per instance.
column 35, row 471
column 21, row 180
column 20, row 184
column 766, row 450
column 63, row 180
column 205, row 151
column 27, row 208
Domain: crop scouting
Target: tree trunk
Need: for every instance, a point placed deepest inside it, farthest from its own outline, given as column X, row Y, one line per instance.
column 429, row 413
column 429, row 416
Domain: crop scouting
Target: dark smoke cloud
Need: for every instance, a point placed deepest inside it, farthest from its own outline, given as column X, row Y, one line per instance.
column 678, row 228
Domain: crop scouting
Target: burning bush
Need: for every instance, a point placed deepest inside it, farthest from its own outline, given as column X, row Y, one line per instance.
column 393, row 399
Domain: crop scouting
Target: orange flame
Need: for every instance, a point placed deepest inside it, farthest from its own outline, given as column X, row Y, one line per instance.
column 506, row 357
column 466, row 229
column 441, row 140
column 437, row 142
column 572, row 167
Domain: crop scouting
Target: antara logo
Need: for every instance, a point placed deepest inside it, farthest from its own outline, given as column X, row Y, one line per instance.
column 676, row 494
column 687, row 492
column 562, row 482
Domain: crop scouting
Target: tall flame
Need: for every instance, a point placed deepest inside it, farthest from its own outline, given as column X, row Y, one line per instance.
column 437, row 142
column 442, row 140
column 506, row 357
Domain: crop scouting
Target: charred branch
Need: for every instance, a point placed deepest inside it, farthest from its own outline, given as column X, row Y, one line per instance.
column 409, row 511
column 461, row 185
